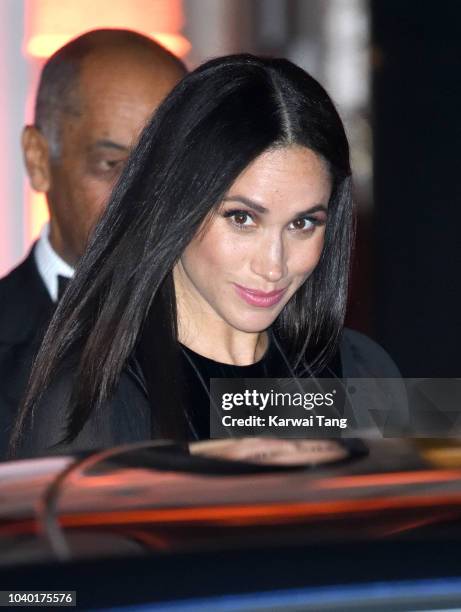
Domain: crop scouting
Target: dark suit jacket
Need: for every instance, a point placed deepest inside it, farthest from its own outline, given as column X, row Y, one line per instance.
column 25, row 310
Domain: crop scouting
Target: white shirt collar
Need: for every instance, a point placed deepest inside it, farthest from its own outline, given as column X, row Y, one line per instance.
column 50, row 265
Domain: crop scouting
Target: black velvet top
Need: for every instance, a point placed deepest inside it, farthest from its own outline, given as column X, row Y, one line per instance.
column 198, row 370
column 128, row 416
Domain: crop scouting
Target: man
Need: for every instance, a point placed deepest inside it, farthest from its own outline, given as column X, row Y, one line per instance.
column 94, row 97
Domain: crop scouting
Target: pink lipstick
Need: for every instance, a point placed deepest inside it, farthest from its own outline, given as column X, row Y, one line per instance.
column 259, row 298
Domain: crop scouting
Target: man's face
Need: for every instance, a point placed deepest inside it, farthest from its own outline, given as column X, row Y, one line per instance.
column 116, row 97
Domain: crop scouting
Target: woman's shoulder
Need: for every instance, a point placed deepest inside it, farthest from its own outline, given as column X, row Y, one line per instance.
column 379, row 402
column 362, row 357
column 123, row 418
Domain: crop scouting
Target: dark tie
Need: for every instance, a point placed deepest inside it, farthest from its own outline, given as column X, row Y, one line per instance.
column 63, row 281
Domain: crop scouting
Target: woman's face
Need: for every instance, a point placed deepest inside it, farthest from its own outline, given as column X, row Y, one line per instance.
column 262, row 243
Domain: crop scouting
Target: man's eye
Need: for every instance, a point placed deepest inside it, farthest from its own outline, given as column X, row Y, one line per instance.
column 111, row 164
column 106, row 168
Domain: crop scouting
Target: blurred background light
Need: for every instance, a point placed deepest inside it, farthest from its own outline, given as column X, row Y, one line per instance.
column 64, row 18
column 44, row 45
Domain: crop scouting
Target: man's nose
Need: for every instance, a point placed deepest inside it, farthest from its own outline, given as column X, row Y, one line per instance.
column 268, row 259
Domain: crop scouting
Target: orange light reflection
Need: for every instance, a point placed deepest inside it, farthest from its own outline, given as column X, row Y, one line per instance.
column 37, row 214
column 393, row 478
column 44, row 45
column 257, row 514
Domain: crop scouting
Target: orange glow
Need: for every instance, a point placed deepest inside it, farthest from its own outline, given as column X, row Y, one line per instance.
column 52, row 23
column 43, row 45
column 38, row 214
column 176, row 43
column 394, row 478
column 57, row 16
column 258, row 514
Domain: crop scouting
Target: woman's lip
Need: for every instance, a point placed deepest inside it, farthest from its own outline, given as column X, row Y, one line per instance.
column 259, row 298
column 260, row 293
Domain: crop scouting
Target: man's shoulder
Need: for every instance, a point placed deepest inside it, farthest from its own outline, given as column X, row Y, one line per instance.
column 22, row 281
column 362, row 357
column 17, row 276
column 23, row 300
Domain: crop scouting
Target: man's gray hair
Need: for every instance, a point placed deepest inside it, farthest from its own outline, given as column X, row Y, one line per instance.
column 57, row 89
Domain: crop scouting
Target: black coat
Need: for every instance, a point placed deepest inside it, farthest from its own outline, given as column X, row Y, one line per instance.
column 25, row 311
column 127, row 416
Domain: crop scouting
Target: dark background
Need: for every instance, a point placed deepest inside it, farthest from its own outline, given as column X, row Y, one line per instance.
column 415, row 234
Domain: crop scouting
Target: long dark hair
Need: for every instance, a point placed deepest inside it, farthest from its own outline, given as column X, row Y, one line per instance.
column 213, row 124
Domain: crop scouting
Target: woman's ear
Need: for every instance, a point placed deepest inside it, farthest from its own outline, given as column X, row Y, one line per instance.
column 36, row 158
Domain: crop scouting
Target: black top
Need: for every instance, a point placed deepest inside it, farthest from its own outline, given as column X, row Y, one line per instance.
column 130, row 414
column 198, row 370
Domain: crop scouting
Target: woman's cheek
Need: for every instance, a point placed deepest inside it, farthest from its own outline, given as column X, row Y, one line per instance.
column 303, row 262
column 227, row 252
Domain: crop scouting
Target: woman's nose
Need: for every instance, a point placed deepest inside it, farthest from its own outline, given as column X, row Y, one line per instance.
column 268, row 259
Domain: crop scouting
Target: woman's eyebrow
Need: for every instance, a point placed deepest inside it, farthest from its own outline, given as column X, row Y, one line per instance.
column 250, row 203
column 313, row 209
column 262, row 209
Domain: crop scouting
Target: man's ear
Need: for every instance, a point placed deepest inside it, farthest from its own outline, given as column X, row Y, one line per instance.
column 36, row 158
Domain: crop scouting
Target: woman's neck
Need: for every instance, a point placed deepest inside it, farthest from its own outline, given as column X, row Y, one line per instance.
column 226, row 348
column 208, row 335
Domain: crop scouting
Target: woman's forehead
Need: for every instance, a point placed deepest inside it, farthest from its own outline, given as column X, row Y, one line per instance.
column 293, row 176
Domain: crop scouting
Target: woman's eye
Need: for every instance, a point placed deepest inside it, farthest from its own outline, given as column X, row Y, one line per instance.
column 303, row 224
column 240, row 218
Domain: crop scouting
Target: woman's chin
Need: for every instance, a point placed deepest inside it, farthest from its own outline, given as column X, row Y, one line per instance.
column 252, row 326
column 253, row 321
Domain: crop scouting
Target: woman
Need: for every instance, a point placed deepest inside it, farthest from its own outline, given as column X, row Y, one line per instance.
column 224, row 251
